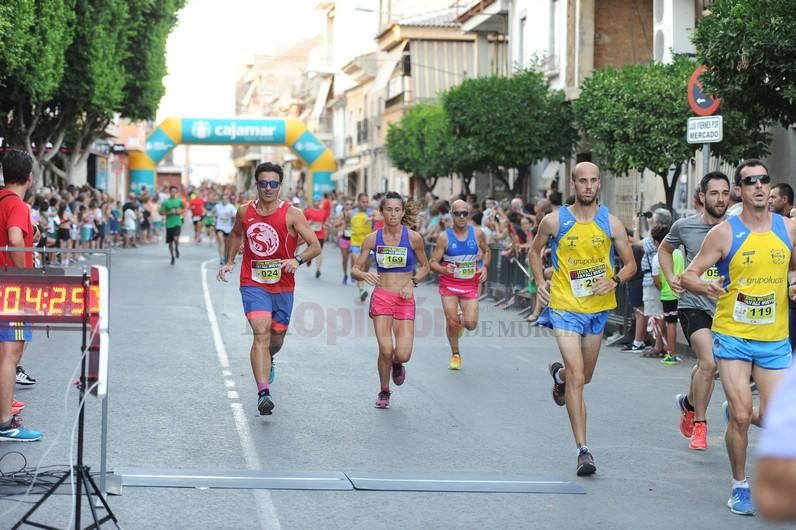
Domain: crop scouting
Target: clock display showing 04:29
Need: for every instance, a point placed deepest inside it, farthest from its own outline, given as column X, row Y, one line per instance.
column 47, row 299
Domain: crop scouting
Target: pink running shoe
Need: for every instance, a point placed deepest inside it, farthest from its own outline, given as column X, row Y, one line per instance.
column 383, row 401
column 398, row 374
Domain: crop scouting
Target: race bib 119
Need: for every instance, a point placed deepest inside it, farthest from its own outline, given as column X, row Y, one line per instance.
column 755, row 309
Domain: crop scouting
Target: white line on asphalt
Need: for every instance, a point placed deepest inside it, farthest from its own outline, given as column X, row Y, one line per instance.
column 265, row 506
column 232, row 394
column 226, row 373
column 229, row 384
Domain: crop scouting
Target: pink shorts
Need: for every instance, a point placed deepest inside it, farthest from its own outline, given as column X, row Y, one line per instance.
column 384, row 303
column 343, row 243
column 465, row 290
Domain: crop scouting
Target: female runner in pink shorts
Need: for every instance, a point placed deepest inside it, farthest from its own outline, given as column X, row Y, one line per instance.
column 392, row 303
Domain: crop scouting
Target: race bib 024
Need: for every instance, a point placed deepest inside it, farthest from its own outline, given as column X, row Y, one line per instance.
column 391, row 257
column 582, row 281
column 755, row 309
column 267, row 271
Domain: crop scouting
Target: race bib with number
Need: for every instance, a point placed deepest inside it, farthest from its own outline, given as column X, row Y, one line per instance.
column 755, row 309
column 391, row 257
column 267, row 271
column 464, row 270
column 583, row 281
column 710, row 275
column 316, row 227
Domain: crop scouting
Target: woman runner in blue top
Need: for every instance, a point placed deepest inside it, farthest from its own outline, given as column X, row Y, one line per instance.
column 392, row 303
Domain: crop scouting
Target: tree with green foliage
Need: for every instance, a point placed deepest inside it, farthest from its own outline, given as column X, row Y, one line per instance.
column 748, row 48
column 36, row 35
column 68, row 67
column 511, row 122
column 635, row 118
column 421, row 145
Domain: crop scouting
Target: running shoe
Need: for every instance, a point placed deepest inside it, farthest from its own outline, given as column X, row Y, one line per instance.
column 172, row 260
column 456, row 362
column 17, row 404
column 725, row 411
column 699, row 438
column 264, row 404
column 345, row 279
column 23, row 379
column 585, row 463
column 177, row 251
column 632, row 348
column 383, row 401
column 740, row 502
column 686, row 417
column 398, row 374
column 317, row 274
column 363, row 294
column 272, row 373
column 670, row 359
column 17, row 433
column 558, row 388
column 221, row 261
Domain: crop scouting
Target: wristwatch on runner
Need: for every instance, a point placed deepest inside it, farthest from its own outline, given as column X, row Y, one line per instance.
column 414, row 281
column 298, row 258
column 618, row 280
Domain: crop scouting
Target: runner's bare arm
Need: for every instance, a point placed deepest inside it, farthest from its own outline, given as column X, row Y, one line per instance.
column 486, row 252
column 299, row 224
column 436, row 257
column 775, row 488
column 714, row 248
column 16, row 238
column 357, row 270
column 233, row 245
column 547, row 228
column 622, row 246
column 418, row 246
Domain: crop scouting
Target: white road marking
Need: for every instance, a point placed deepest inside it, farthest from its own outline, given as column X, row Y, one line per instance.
column 265, row 506
column 232, row 394
column 229, row 384
column 226, row 373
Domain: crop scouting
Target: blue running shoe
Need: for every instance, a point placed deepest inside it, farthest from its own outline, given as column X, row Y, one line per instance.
column 272, row 373
column 18, row 433
column 264, row 404
column 740, row 502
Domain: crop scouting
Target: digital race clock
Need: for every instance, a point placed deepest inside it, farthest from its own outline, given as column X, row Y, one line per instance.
column 31, row 296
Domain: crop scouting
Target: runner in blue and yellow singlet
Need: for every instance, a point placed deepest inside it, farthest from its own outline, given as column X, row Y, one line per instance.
column 584, row 238
column 753, row 252
column 361, row 226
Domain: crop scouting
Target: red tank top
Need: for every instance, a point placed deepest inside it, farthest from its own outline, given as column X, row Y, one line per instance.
column 266, row 241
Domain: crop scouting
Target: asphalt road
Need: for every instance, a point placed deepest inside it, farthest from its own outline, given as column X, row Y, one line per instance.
column 181, row 398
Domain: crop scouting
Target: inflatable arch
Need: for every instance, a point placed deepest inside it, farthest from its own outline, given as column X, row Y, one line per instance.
column 289, row 132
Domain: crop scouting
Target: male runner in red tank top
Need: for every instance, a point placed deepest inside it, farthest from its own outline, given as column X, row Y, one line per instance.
column 271, row 228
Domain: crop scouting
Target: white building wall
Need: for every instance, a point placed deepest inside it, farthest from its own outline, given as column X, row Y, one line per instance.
column 537, row 29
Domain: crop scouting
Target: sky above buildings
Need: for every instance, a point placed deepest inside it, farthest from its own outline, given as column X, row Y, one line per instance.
column 204, row 54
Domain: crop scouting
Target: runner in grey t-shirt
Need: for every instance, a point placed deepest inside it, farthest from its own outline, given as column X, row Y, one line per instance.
column 696, row 312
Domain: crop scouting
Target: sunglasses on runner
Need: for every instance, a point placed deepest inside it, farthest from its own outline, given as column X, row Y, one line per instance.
column 748, row 180
column 460, row 213
column 265, row 184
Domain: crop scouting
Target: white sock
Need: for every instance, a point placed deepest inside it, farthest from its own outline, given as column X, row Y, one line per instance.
column 583, row 449
column 638, row 343
column 740, row 484
column 558, row 378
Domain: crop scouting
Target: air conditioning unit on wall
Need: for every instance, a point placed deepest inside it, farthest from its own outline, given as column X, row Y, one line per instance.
column 672, row 21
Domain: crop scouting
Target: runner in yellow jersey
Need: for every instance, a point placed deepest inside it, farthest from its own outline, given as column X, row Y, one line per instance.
column 583, row 240
column 752, row 252
column 361, row 226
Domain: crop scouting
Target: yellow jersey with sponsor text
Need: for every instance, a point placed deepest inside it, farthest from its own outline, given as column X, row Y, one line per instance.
column 755, row 271
column 582, row 254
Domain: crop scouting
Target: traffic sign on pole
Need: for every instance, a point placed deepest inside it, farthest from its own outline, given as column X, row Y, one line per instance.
column 707, row 130
column 701, row 103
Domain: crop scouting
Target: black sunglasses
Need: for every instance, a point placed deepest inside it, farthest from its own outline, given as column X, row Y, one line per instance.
column 460, row 213
column 265, row 184
column 748, row 180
